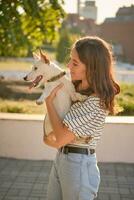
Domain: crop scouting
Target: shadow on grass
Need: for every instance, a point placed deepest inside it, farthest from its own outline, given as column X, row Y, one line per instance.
column 18, row 90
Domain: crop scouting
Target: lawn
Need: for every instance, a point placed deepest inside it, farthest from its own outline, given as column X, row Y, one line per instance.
column 15, row 97
column 12, row 64
column 126, row 99
column 19, row 64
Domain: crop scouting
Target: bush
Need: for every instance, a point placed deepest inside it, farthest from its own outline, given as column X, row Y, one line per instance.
column 63, row 46
column 15, row 98
column 125, row 99
column 12, row 109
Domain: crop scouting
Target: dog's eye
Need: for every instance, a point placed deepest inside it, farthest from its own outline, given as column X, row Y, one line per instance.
column 35, row 68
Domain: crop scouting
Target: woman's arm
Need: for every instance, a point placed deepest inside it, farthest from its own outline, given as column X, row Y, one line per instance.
column 50, row 140
column 62, row 134
column 50, row 143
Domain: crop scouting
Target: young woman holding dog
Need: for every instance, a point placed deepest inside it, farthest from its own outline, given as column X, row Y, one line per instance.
column 75, row 174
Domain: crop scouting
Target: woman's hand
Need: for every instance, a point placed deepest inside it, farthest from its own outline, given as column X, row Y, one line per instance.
column 50, row 136
column 51, row 141
column 52, row 95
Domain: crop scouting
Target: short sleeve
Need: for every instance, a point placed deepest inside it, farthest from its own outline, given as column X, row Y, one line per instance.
column 84, row 120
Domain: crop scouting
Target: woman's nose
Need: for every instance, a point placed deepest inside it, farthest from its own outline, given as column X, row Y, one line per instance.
column 69, row 65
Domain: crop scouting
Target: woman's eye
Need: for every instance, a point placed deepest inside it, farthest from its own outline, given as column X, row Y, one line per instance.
column 35, row 68
column 74, row 64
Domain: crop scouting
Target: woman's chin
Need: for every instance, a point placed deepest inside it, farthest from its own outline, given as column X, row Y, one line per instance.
column 73, row 78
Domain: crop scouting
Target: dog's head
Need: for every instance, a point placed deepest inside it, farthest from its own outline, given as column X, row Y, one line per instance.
column 40, row 70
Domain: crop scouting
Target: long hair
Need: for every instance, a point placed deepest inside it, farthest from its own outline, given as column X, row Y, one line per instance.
column 97, row 55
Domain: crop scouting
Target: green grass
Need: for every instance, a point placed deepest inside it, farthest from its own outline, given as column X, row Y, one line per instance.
column 14, row 64
column 15, row 97
column 126, row 99
column 25, row 106
column 11, row 65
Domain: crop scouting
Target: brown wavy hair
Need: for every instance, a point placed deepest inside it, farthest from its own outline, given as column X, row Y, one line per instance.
column 97, row 55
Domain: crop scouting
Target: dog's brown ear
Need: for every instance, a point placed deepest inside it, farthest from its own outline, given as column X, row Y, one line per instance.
column 44, row 57
column 36, row 56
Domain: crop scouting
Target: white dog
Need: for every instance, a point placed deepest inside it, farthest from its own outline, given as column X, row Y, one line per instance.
column 48, row 73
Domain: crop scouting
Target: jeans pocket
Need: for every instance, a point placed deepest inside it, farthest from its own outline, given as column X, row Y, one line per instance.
column 93, row 177
column 74, row 158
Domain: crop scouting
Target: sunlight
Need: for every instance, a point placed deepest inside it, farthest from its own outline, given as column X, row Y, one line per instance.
column 105, row 8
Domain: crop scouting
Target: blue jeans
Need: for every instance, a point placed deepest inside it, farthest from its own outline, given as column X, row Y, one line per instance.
column 73, row 177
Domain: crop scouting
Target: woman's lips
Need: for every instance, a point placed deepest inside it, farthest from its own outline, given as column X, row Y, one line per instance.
column 72, row 73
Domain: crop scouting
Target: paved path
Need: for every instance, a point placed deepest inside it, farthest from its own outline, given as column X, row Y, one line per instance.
column 27, row 180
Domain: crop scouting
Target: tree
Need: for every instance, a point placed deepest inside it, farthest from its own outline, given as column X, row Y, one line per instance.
column 63, row 46
column 26, row 25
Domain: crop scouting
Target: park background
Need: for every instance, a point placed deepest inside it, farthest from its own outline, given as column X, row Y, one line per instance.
column 26, row 26
column 46, row 25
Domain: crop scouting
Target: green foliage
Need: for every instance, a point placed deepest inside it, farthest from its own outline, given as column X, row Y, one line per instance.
column 125, row 99
column 128, row 108
column 26, row 106
column 15, row 97
column 12, row 109
column 67, row 36
column 63, row 47
column 26, row 25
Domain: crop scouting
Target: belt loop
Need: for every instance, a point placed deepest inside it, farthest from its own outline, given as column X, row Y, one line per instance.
column 62, row 149
column 92, row 151
column 88, row 151
column 66, row 150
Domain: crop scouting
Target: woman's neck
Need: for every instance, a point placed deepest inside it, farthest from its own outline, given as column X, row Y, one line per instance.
column 83, row 85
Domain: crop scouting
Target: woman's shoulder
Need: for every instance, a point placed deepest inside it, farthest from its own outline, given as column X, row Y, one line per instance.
column 92, row 99
column 93, row 102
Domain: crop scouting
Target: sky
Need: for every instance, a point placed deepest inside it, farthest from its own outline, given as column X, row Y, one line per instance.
column 106, row 8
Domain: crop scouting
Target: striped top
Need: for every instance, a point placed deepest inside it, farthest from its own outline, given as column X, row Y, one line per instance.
column 86, row 120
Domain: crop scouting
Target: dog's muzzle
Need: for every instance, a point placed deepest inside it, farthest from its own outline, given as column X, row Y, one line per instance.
column 35, row 82
column 25, row 78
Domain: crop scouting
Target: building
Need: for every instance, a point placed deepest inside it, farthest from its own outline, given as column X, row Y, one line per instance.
column 84, row 20
column 80, row 25
column 88, row 10
column 120, row 32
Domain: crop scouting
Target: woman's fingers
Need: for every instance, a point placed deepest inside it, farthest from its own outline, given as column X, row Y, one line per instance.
column 55, row 90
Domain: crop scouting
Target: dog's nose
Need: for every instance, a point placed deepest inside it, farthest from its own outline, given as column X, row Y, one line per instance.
column 25, row 78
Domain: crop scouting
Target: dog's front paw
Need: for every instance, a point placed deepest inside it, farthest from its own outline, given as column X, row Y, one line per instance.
column 81, row 97
column 39, row 102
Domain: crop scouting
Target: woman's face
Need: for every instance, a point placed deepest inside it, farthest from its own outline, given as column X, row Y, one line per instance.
column 76, row 67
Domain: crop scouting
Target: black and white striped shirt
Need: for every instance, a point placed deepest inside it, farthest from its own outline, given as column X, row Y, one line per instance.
column 86, row 119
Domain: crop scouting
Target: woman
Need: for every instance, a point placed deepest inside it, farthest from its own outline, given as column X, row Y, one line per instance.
column 75, row 174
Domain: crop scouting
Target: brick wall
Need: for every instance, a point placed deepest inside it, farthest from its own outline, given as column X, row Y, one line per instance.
column 120, row 33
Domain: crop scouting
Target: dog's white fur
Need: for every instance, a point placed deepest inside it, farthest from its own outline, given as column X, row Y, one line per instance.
column 64, row 96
